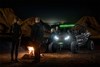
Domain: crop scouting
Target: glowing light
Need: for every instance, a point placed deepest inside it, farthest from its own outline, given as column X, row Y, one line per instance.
column 31, row 50
column 56, row 37
column 69, row 25
column 66, row 38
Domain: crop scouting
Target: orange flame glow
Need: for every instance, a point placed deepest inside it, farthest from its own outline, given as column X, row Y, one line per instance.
column 30, row 50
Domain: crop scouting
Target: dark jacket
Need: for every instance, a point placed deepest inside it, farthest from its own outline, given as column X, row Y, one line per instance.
column 16, row 30
column 37, row 32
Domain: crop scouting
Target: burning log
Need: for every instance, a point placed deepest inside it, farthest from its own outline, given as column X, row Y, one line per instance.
column 31, row 53
column 30, row 50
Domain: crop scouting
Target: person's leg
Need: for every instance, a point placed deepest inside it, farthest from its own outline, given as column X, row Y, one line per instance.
column 16, row 50
column 37, row 52
column 12, row 50
column 47, row 46
column 37, row 55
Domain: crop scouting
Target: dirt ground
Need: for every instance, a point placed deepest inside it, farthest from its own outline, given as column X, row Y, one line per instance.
column 61, row 59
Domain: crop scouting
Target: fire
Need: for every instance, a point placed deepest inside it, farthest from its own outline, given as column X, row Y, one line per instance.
column 30, row 50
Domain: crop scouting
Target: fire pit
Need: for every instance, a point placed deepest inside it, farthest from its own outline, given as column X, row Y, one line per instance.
column 30, row 54
column 30, row 50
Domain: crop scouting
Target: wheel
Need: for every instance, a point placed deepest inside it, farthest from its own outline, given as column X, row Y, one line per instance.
column 52, row 47
column 48, row 46
column 74, row 47
column 90, row 45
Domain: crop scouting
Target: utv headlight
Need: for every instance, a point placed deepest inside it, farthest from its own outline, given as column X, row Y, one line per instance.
column 67, row 37
column 56, row 37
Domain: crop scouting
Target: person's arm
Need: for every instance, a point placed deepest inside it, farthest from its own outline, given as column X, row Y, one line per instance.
column 11, row 29
column 20, row 33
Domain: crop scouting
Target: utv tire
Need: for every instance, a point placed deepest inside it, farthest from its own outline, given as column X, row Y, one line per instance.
column 90, row 44
column 74, row 47
column 52, row 47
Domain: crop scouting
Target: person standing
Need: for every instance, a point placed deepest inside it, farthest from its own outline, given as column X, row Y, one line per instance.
column 37, row 37
column 16, row 37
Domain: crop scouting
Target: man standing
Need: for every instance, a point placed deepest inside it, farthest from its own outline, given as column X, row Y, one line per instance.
column 37, row 37
column 16, row 37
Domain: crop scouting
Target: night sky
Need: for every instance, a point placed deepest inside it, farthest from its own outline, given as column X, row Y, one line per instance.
column 57, row 10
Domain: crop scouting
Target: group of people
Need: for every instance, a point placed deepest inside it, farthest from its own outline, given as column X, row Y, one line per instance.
column 36, row 36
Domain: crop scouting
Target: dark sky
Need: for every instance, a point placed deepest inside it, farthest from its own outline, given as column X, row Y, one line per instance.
column 57, row 10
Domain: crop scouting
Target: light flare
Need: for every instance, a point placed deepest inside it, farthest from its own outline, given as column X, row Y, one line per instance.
column 31, row 50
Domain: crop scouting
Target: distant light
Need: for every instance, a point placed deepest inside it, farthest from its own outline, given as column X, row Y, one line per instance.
column 69, row 25
column 62, row 22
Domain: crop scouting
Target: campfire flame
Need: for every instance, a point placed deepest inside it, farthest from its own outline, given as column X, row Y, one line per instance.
column 30, row 50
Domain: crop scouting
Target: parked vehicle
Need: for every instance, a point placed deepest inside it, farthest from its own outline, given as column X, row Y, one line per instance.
column 67, row 37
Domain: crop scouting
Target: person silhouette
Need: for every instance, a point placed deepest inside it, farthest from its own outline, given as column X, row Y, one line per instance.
column 16, row 30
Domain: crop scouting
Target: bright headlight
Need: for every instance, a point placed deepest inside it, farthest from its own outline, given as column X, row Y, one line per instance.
column 56, row 37
column 67, row 37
